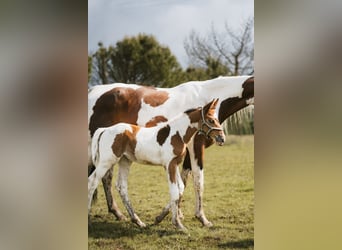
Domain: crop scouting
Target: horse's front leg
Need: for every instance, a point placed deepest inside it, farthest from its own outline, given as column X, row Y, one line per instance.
column 122, row 187
column 107, row 186
column 196, row 154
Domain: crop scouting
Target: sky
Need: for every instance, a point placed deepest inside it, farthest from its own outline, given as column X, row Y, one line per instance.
column 170, row 21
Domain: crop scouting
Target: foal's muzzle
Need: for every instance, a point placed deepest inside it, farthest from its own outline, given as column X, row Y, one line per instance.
column 220, row 140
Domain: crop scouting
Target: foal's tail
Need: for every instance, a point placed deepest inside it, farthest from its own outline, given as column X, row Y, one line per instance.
column 95, row 153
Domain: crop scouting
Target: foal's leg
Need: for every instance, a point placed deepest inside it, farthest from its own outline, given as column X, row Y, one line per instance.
column 186, row 167
column 107, row 186
column 94, row 179
column 196, row 153
column 175, row 194
column 181, row 187
column 167, row 208
column 121, row 186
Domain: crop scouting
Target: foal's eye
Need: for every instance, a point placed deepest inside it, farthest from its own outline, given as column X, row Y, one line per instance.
column 211, row 120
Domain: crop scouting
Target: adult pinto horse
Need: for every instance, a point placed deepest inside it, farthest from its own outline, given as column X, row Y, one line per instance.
column 164, row 144
column 148, row 106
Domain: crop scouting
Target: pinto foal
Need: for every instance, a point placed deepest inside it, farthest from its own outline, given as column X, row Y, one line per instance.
column 163, row 145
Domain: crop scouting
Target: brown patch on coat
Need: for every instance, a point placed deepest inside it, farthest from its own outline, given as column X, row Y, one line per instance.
column 125, row 142
column 194, row 115
column 248, row 88
column 199, row 142
column 172, row 169
column 179, row 150
column 153, row 96
column 122, row 104
column 119, row 144
column 155, row 120
column 116, row 105
column 208, row 110
column 162, row 135
column 178, row 144
column 190, row 131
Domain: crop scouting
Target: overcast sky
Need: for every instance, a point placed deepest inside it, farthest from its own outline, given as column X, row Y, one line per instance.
column 170, row 21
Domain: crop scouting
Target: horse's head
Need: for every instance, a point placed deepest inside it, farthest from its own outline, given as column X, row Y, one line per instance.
column 209, row 124
column 233, row 104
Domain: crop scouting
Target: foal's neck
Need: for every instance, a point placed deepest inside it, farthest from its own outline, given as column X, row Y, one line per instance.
column 187, row 124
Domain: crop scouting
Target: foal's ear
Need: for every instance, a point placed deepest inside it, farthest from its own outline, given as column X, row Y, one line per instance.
column 210, row 105
column 214, row 103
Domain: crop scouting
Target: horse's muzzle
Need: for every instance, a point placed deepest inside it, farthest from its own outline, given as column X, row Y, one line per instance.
column 220, row 140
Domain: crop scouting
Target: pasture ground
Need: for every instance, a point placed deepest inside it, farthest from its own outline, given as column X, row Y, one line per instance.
column 228, row 204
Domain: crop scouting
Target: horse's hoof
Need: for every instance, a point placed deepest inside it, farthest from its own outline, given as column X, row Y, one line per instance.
column 118, row 215
column 121, row 218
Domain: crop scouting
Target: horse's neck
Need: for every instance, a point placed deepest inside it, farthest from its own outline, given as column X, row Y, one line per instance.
column 222, row 87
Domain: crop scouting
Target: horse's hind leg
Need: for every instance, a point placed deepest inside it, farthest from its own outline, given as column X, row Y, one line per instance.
column 107, row 186
column 121, row 186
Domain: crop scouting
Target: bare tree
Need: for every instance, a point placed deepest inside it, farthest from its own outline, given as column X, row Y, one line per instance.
column 232, row 48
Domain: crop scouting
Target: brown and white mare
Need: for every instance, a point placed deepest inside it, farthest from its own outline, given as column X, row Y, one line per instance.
column 164, row 144
column 148, row 106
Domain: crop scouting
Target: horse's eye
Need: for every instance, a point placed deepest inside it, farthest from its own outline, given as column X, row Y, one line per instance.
column 211, row 120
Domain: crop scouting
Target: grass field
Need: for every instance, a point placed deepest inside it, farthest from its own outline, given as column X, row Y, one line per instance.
column 228, row 204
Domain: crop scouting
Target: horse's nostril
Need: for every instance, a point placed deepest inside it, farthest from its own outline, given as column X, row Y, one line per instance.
column 219, row 138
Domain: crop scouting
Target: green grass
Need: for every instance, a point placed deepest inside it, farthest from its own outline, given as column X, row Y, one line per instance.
column 228, row 204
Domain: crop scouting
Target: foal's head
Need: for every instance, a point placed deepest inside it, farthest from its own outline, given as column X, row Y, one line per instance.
column 208, row 124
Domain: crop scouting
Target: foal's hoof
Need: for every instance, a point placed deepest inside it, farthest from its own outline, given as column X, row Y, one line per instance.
column 179, row 226
column 139, row 223
column 180, row 214
column 204, row 221
column 182, row 229
column 161, row 217
column 208, row 224
column 158, row 219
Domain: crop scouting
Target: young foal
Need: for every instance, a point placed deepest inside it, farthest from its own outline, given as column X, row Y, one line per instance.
column 164, row 145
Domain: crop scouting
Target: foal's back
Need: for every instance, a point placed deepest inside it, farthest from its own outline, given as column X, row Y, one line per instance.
column 138, row 144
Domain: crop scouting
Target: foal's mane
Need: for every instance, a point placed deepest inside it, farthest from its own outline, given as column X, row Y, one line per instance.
column 191, row 110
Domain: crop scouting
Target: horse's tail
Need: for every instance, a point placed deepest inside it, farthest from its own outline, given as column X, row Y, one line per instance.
column 95, row 153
